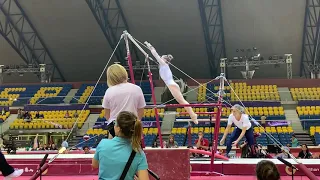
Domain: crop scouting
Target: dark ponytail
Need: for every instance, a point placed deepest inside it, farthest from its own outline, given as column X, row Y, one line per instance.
column 136, row 136
column 131, row 128
column 267, row 170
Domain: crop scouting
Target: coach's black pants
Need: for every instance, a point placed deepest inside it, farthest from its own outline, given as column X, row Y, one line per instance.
column 5, row 168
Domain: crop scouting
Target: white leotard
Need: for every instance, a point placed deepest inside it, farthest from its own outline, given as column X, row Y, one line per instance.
column 164, row 69
column 166, row 74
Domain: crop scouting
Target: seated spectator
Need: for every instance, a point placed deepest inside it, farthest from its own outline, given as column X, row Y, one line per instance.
column 288, row 145
column 27, row 117
column 3, row 112
column 64, row 144
column 86, row 150
column 1, row 143
column 267, row 170
column 171, row 142
column 283, row 154
column 76, row 115
column 191, row 153
column 260, row 153
column 39, row 116
column 20, row 114
column 202, row 143
column 41, row 148
column 45, row 147
column 294, row 141
column 155, row 144
column 53, row 147
column 304, row 153
column 67, row 115
column 244, row 149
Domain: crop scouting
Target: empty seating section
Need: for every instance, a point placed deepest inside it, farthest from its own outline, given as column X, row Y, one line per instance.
column 271, row 113
column 33, row 94
column 255, row 92
column 309, row 116
column 86, row 89
column 97, row 131
column 242, row 90
column 317, row 138
column 315, row 131
column 52, row 120
column 205, row 92
column 150, row 135
column 149, row 114
column 4, row 117
column 305, row 93
column 9, row 95
column 308, row 112
column 96, row 99
column 179, row 135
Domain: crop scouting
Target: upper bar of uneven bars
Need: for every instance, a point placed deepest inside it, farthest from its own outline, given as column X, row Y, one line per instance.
column 135, row 43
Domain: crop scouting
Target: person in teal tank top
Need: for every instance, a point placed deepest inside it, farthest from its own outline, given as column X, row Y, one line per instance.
column 295, row 142
column 112, row 154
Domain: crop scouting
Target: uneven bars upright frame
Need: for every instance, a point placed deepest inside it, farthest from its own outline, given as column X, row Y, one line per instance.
column 125, row 35
column 218, row 118
column 151, row 85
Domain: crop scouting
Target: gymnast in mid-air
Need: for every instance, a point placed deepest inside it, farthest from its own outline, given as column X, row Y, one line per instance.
column 167, row 77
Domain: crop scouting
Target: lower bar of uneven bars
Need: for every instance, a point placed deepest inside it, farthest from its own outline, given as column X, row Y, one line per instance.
column 37, row 174
column 208, row 113
column 200, row 120
column 192, row 105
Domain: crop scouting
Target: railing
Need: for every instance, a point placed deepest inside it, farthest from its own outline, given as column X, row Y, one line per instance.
column 15, row 101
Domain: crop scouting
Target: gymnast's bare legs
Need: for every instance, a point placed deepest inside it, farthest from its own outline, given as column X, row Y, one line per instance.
column 167, row 77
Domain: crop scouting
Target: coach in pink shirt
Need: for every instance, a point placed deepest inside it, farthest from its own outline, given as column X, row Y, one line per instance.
column 121, row 96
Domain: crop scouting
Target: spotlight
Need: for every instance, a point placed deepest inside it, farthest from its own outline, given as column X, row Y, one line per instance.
column 254, row 48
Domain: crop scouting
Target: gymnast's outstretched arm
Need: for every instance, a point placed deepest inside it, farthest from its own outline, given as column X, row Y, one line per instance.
column 155, row 54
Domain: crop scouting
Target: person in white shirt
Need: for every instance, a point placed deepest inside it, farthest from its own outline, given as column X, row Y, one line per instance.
column 64, row 144
column 167, row 77
column 243, row 128
column 121, row 96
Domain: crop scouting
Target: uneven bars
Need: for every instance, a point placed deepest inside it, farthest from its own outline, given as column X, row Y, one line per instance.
column 129, row 58
column 204, row 113
column 183, row 105
column 125, row 34
column 151, row 85
column 200, row 120
column 218, row 118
